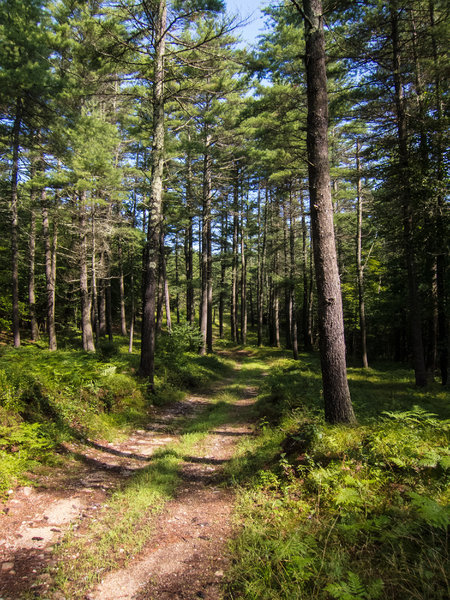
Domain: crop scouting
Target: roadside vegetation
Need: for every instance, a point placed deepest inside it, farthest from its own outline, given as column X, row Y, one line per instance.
column 345, row 512
column 50, row 397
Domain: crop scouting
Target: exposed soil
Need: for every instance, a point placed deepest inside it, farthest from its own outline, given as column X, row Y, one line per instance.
column 186, row 556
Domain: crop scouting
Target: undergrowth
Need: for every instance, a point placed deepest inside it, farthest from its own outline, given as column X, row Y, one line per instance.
column 345, row 512
column 48, row 397
column 124, row 524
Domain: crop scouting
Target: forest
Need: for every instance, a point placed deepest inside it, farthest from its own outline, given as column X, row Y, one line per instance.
column 181, row 210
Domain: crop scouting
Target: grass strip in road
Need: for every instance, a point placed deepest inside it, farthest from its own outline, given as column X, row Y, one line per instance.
column 123, row 526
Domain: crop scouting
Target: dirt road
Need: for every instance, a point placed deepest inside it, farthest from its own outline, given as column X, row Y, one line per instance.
column 186, row 555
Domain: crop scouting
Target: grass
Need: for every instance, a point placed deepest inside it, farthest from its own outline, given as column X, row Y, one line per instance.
column 48, row 397
column 124, row 525
column 343, row 512
column 346, row 512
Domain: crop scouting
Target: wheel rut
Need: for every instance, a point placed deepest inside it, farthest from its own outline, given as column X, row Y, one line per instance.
column 185, row 557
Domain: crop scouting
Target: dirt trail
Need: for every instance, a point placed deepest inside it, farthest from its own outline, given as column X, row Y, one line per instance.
column 185, row 558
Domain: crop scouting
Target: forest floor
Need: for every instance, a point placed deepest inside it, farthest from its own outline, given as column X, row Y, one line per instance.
column 184, row 557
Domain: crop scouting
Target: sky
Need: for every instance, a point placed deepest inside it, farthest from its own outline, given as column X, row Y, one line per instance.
column 249, row 10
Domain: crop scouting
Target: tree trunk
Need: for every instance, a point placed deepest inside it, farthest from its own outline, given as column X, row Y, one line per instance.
column 94, row 303
column 177, row 279
column 50, row 272
column 441, row 250
column 415, row 311
column 102, row 283
column 243, row 284
column 165, row 282
column 86, row 325
column 287, row 283
column 359, row 265
column 338, row 406
column 292, row 276
column 132, row 295
column 234, row 267
column 32, row 273
column 147, row 363
column 260, row 270
column 188, row 241
column 223, row 270
column 307, row 281
column 15, row 225
column 108, row 299
column 123, row 318
column 206, row 304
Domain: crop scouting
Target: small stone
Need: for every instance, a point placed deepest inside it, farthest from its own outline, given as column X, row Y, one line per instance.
column 218, row 573
column 27, row 491
column 7, row 566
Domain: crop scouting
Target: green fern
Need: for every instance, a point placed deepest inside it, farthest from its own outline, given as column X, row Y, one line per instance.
column 430, row 511
column 355, row 589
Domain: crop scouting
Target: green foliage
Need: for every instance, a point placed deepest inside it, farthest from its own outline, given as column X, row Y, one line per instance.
column 369, row 502
column 354, row 589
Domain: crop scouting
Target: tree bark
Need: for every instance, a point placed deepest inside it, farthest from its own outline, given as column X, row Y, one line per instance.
column 359, row 264
column 206, row 304
column 415, row 311
column 234, row 266
column 15, row 224
column 441, row 251
column 32, row 273
column 165, row 282
column 338, row 406
column 243, row 284
column 188, row 241
column 50, row 272
column 86, row 325
column 292, row 276
column 223, row 270
column 123, row 318
column 260, row 270
column 147, row 362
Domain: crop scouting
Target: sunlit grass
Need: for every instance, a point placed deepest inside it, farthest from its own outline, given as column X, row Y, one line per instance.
column 343, row 512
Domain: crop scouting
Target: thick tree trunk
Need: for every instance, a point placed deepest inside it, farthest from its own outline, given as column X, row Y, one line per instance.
column 86, row 325
column 415, row 311
column 338, row 406
column 15, row 225
column 359, row 264
column 50, row 272
column 147, row 363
